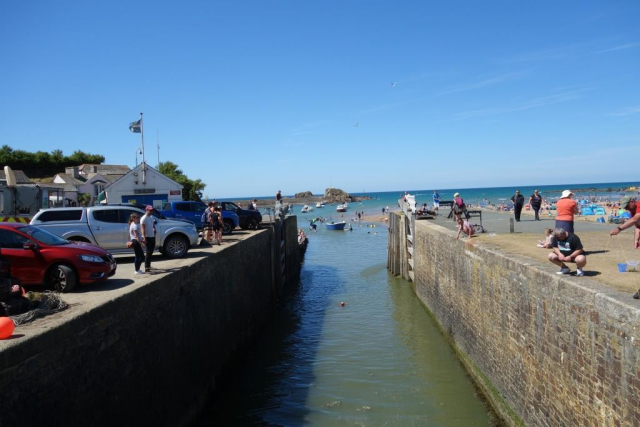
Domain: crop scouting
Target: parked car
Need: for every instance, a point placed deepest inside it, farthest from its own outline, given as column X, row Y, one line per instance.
column 249, row 219
column 39, row 257
column 193, row 211
column 107, row 226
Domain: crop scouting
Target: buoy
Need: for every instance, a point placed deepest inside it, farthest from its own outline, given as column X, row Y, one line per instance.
column 342, row 304
column 6, row 328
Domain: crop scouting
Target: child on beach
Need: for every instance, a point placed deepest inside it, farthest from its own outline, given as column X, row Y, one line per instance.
column 546, row 244
column 464, row 226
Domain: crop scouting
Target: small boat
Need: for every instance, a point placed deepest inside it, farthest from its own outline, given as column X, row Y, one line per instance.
column 342, row 208
column 336, row 225
column 306, row 208
column 320, row 205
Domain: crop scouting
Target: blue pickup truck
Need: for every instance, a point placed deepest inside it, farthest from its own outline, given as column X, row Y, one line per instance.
column 192, row 211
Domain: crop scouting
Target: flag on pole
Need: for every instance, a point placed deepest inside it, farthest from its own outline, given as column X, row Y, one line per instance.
column 135, row 126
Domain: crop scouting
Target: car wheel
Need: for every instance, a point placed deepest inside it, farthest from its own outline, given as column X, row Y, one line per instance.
column 227, row 227
column 175, row 247
column 62, row 278
column 78, row 239
column 252, row 224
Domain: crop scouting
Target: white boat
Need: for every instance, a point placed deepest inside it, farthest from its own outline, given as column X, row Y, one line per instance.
column 305, row 209
column 342, row 208
column 320, row 205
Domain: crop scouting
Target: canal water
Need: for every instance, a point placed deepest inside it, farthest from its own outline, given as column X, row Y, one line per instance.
column 378, row 361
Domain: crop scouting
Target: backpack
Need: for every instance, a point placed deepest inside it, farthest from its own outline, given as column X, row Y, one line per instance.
column 205, row 216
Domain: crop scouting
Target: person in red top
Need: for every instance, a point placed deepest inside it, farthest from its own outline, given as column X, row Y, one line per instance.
column 631, row 205
column 566, row 208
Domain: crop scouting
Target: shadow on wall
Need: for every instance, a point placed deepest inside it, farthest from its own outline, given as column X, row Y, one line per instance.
column 273, row 380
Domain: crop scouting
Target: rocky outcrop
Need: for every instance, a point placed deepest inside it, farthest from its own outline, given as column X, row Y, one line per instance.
column 303, row 195
column 337, row 195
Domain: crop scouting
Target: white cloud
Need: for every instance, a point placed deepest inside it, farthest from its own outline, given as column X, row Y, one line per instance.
column 620, row 47
column 626, row 112
column 534, row 103
column 486, row 82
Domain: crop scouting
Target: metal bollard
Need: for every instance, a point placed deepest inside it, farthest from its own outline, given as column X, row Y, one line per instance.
column 511, row 225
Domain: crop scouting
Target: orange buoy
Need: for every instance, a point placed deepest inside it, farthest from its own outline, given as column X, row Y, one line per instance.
column 6, row 327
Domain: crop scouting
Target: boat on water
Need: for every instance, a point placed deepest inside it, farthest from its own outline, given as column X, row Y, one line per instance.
column 320, row 205
column 342, row 208
column 336, row 225
column 306, row 208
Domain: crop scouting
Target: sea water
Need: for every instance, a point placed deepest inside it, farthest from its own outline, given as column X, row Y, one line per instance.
column 379, row 360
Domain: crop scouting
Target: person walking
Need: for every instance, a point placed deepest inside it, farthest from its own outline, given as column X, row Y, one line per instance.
column 566, row 208
column 436, row 201
column 518, row 202
column 148, row 231
column 135, row 237
column 535, row 201
column 217, row 224
column 207, row 224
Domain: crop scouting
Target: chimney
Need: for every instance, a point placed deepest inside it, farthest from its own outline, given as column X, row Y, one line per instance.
column 73, row 171
column 94, row 168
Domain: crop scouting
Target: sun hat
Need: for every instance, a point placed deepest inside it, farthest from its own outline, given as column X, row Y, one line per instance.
column 456, row 195
column 624, row 201
column 566, row 193
column 149, row 208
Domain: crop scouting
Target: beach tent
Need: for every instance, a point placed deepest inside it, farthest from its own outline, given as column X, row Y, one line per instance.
column 587, row 211
column 599, row 211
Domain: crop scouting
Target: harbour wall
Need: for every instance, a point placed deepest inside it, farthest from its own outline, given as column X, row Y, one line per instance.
column 151, row 355
column 546, row 350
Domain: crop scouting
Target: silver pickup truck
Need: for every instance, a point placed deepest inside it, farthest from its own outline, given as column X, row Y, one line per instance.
column 107, row 227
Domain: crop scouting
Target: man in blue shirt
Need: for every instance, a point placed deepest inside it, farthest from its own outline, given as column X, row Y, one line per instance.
column 436, row 201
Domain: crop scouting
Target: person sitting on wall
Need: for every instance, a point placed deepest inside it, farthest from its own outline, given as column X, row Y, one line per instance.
column 567, row 248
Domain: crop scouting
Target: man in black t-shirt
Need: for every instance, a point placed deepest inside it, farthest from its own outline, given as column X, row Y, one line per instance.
column 567, row 248
column 518, row 202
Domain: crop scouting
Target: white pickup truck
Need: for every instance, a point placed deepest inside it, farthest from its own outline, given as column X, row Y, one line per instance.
column 107, row 226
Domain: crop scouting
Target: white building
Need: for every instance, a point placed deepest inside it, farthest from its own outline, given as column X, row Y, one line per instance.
column 147, row 187
column 89, row 179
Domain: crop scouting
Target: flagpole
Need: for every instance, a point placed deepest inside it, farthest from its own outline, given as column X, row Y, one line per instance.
column 144, row 165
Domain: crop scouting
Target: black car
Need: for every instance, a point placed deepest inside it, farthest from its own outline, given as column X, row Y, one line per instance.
column 249, row 219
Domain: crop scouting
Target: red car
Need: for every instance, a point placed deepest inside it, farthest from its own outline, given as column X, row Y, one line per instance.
column 38, row 257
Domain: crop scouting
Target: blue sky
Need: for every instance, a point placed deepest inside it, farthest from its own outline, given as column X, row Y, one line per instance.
column 252, row 97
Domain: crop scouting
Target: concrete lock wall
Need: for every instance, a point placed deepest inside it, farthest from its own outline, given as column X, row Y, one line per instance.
column 150, row 356
column 547, row 350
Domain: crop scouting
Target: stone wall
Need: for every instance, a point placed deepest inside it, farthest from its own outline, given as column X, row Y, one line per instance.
column 547, row 350
column 150, row 356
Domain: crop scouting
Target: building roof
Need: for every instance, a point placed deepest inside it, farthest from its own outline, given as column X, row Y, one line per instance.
column 117, row 182
column 66, row 187
column 104, row 169
column 110, row 177
column 69, row 179
column 21, row 177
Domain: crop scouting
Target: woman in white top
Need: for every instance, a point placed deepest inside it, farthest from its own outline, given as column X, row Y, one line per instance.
column 135, row 237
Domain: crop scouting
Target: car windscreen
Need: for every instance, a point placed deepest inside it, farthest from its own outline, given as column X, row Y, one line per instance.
column 43, row 236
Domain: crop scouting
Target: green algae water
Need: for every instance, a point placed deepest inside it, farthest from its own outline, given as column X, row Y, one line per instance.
column 378, row 361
